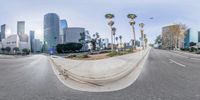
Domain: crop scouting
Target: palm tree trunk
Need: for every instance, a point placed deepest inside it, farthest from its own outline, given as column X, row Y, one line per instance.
column 111, row 39
column 134, row 39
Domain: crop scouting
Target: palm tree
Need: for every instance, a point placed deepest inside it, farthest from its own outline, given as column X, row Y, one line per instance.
column 116, row 38
column 94, row 40
column 132, row 23
column 141, row 25
column 120, row 37
column 109, row 17
column 117, row 44
column 114, row 33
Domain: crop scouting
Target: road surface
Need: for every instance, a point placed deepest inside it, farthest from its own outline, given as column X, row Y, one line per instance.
column 166, row 76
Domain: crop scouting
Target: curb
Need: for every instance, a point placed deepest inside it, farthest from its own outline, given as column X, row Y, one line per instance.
column 99, row 80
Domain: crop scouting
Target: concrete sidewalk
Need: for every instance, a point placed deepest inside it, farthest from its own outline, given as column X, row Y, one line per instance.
column 6, row 56
column 98, row 72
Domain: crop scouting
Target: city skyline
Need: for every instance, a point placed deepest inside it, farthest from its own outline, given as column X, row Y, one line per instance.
column 82, row 15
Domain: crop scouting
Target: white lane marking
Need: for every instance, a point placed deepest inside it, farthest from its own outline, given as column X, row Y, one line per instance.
column 177, row 63
column 195, row 58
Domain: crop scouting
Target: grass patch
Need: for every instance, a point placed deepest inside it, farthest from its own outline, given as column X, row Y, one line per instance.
column 115, row 53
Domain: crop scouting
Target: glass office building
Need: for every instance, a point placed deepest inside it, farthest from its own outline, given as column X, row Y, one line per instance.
column 63, row 26
column 21, row 31
column 191, row 35
column 32, row 37
column 51, row 31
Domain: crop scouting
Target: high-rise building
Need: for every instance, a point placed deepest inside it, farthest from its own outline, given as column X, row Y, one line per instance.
column 5, row 31
column 51, row 31
column 32, row 36
column 21, row 27
column 37, row 46
column 77, row 35
column 199, row 36
column 73, row 34
column 21, row 31
column 63, row 25
column 0, row 36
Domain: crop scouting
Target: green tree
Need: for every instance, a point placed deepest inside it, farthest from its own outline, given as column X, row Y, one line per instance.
column 25, row 51
column 3, row 50
column 94, row 41
column 8, row 49
column 59, row 48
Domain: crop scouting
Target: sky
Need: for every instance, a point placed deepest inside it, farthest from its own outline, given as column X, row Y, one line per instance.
column 90, row 15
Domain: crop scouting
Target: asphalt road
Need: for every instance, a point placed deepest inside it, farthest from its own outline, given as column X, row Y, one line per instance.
column 166, row 76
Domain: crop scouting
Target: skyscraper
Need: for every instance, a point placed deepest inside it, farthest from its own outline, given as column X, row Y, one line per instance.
column 0, row 36
column 32, row 36
column 21, row 31
column 51, row 31
column 21, row 27
column 63, row 25
column 5, row 31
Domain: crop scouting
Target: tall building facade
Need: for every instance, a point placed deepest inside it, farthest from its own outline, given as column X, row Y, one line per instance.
column 63, row 26
column 73, row 34
column 32, row 36
column 173, row 36
column 191, row 35
column 51, row 31
column 199, row 36
column 37, row 46
column 77, row 35
column 21, row 31
column 0, row 36
column 5, row 31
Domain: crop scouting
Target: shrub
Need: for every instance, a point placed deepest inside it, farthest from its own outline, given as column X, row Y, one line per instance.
column 198, row 52
column 129, row 50
column 192, row 49
column 71, row 56
column 61, row 48
column 186, row 49
column 83, row 56
column 26, row 51
column 113, row 53
column 182, row 49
